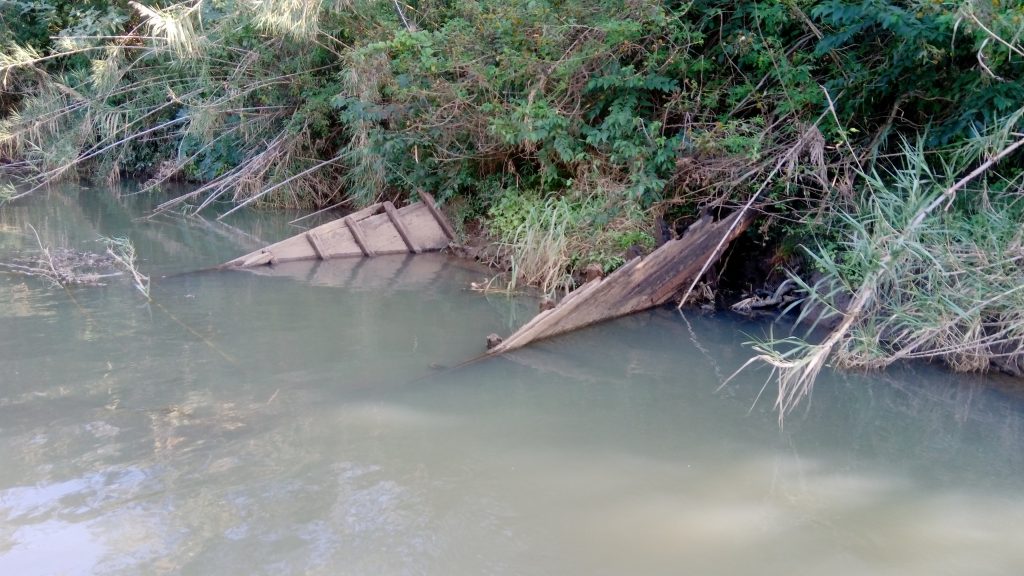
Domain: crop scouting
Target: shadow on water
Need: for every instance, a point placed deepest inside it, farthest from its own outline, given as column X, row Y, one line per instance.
column 328, row 438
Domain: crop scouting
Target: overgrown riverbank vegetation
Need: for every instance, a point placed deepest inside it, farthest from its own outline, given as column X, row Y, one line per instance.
column 878, row 139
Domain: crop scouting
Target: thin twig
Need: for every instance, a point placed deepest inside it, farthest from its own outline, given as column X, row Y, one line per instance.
column 401, row 14
column 320, row 211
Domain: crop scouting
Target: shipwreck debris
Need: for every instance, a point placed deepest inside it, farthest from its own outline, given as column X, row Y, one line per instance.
column 643, row 282
column 376, row 230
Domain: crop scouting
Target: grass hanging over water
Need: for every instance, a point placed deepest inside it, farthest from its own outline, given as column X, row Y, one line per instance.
column 934, row 267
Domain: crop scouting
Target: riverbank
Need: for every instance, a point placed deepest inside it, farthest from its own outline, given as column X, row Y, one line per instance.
column 880, row 145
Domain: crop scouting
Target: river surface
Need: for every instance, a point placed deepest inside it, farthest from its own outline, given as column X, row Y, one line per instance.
column 312, row 419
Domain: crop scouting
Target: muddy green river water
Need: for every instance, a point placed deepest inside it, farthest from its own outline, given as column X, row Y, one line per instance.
column 302, row 421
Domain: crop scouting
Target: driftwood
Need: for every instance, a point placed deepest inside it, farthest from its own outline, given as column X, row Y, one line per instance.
column 780, row 296
column 642, row 283
column 377, row 230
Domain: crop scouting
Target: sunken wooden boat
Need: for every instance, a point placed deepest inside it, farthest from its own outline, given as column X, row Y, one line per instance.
column 380, row 275
column 373, row 231
column 642, row 283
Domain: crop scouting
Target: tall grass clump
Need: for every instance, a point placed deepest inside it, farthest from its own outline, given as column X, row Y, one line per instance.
column 544, row 239
column 929, row 265
column 539, row 248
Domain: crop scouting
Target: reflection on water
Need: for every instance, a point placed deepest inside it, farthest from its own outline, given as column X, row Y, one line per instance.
column 301, row 420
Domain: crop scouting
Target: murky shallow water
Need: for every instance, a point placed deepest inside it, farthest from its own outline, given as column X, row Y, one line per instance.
column 299, row 423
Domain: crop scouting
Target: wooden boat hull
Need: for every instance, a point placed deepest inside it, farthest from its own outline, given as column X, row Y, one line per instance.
column 377, row 230
column 640, row 284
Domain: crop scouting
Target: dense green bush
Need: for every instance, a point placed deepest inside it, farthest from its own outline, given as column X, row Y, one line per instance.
column 641, row 101
column 37, row 23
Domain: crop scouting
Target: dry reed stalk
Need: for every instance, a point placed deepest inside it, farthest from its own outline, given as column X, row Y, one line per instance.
column 797, row 369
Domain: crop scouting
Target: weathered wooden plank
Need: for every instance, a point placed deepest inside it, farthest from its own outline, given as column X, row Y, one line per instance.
column 382, row 237
column 543, row 322
column 396, row 221
column 423, row 229
column 295, row 248
column 356, row 230
column 259, row 258
column 428, row 201
column 340, row 244
column 641, row 284
column 298, row 248
column 338, row 241
column 314, row 242
column 550, row 320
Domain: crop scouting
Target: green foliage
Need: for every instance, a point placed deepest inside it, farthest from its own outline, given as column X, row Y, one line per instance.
column 569, row 96
column 36, row 22
column 470, row 96
column 510, row 211
column 195, row 90
column 930, row 269
column 546, row 238
column 934, row 61
column 630, row 238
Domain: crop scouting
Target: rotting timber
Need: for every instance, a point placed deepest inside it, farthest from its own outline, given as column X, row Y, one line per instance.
column 642, row 283
column 376, row 230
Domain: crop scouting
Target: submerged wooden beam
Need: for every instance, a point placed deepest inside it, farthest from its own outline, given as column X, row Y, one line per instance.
column 318, row 248
column 642, row 283
column 259, row 258
column 357, row 235
column 431, row 205
column 396, row 221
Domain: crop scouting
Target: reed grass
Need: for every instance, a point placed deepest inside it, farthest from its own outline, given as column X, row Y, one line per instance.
column 219, row 92
column 930, row 267
column 540, row 248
